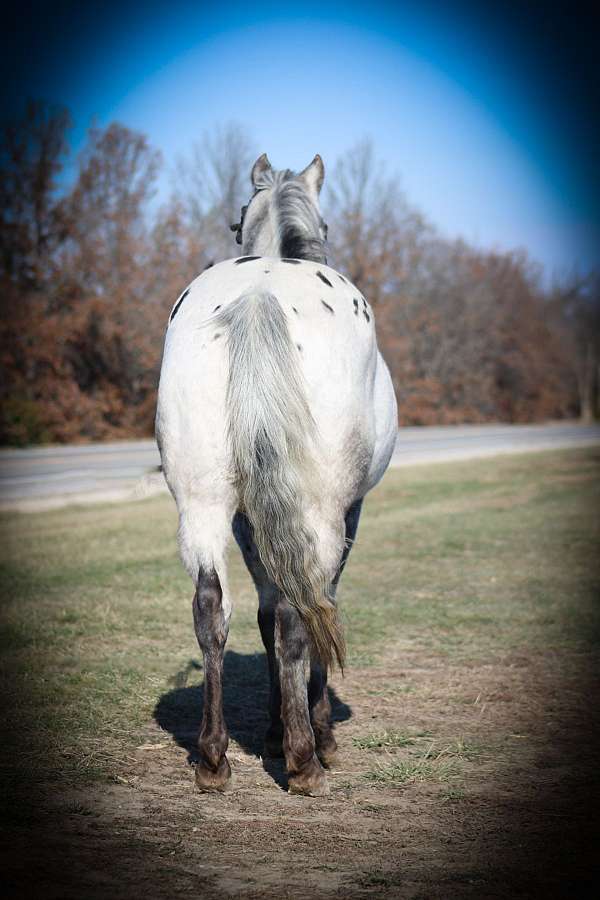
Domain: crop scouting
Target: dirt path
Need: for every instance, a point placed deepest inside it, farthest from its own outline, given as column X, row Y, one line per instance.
column 500, row 762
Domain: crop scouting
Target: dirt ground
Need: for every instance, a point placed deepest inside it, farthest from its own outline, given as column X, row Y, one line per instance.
column 506, row 808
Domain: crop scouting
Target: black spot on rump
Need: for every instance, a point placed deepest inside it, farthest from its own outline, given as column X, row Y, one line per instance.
column 341, row 277
column 295, row 310
column 244, row 259
column 178, row 304
column 293, row 262
column 327, row 306
column 299, row 346
column 355, row 301
column 217, row 307
column 324, row 279
column 217, row 335
column 366, row 315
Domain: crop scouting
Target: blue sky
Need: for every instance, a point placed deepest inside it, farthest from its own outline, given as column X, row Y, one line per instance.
column 486, row 116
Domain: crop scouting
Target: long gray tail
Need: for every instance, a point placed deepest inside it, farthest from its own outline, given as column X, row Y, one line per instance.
column 270, row 430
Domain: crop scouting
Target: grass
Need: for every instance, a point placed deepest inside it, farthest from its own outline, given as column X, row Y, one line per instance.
column 425, row 759
column 380, row 879
column 407, row 770
column 452, row 794
column 389, row 739
column 466, row 561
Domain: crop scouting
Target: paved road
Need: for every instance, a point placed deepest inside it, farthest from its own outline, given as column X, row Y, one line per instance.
column 48, row 477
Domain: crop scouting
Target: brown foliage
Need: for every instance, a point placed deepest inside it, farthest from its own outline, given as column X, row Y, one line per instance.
column 468, row 334
column 88, row 276
column 81, row 341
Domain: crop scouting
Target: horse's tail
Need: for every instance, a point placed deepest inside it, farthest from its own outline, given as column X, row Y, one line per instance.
column 271, row 429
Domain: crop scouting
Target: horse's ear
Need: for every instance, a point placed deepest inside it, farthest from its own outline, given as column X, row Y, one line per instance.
column 259, row 169
column 314, row 174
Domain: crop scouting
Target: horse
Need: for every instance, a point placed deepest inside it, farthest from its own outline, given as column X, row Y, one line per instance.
column 276, row 415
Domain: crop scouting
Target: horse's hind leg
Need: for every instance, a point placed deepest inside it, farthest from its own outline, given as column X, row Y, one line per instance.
column 212, row 769
column 287, row 645
column 266, row 623
column 320, row 714
column 202, row 539
column 306, row 775
column 318, row 694
column 268, row 595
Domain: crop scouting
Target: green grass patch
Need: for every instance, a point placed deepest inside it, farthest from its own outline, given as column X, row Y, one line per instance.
column 452, row 794
column 411, row 770
column 388, row 740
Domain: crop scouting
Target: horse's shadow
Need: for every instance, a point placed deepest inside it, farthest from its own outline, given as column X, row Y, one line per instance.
column 245, row 700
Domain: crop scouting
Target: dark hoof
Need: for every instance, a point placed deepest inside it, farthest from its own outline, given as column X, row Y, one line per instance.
column 211, row 779
column 327, row 751
column 312, row 781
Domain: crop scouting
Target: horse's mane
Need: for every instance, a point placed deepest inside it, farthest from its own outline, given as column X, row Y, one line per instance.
column 298, row 220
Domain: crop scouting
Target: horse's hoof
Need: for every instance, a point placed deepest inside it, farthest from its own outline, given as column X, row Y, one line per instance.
column 213, row 780
column 312, row 782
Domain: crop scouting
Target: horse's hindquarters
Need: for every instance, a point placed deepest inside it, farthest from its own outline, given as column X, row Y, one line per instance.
column 191, row 432
column 190, row 419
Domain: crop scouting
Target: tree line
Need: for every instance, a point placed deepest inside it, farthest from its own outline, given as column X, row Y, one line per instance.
column 90, row 266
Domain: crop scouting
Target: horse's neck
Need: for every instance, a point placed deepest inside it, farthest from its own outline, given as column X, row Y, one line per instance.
column 265, row 241
column 298, row 245
column 287, row 240
column 293, row 243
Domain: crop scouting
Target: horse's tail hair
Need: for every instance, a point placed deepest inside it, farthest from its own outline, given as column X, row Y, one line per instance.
column 271, row 432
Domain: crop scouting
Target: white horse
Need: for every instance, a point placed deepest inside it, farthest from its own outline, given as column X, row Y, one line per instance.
column 276, row 414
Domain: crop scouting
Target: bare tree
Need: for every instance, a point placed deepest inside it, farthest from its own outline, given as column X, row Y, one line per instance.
column 32, row 152
column 107, row 209
column 213, row 183
column 576, row 301
column 374, row 234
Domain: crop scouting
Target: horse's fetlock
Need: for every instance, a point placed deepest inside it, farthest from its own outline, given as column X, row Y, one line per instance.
column 310, row 781
column 298, row 752
column 320, row 714
column 212, row 749
column 326, row 746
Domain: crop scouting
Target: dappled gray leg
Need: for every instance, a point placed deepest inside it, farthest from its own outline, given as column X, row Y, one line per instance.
column 320, row 714
column 212, row 769
column 306, row 775
column 318, row 695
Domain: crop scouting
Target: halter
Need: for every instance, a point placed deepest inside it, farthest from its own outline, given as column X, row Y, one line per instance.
column 238, row 228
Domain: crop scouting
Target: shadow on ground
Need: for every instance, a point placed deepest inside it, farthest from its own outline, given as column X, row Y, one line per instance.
column 245, row 700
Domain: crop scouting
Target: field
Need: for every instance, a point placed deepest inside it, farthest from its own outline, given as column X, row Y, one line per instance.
column 467, row 719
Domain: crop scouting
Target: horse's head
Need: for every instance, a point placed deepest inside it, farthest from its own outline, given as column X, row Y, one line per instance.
column 282, row 217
